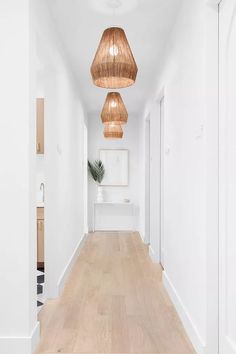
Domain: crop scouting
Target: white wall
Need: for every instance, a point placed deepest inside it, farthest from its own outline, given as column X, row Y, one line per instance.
column 19, row 330
column 130, row 141
column 183, row 77
column 64, row 178
column 63, row 157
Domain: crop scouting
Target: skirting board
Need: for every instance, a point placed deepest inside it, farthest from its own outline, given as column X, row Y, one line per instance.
column 65, row 273
column 189, row 326
column 154, row 257
column 142, row 236
column 20, row 345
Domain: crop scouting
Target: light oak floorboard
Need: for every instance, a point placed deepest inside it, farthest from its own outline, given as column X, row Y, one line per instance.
column 113, row 302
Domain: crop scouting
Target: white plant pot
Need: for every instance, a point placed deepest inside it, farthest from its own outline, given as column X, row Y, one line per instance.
column 100, row 197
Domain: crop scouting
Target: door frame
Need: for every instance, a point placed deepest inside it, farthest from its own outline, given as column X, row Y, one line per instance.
column 161, row 122
column 85, row 159
column 212, row 153
column 155, row 179
column 162, row 178
column 226, row 345
column 147, row 180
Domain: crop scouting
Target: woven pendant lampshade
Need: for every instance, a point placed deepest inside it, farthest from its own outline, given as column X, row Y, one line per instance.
column 113, row 131
column 114, row 110
column 114, row 65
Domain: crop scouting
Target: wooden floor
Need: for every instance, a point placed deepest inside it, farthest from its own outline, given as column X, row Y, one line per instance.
column 113, row 302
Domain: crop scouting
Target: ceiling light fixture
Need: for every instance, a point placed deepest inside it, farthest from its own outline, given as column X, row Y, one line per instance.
column 114, row 65
column 114, row 110
column 113, row 131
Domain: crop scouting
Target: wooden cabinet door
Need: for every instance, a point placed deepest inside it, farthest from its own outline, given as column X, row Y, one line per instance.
column 40, row 241
column 40, row 125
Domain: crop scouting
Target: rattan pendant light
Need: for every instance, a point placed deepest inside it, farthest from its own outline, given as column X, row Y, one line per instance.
column 114, row 65
column 114, row 110
column 113, row 131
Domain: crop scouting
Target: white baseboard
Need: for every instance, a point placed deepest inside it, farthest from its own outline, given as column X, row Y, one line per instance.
column 20, row 345
column 141, row 235
column 146, row 241
column 66, row 271
column 154, row 256
column 188, row 324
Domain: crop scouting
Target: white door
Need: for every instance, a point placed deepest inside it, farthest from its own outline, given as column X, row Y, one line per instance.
column 162, row 240
column 227, row 205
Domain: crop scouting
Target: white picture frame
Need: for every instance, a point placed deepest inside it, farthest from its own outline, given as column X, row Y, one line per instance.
column 116, row 164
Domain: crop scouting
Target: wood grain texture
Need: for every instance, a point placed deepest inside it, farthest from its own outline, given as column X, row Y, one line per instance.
column 113, row 302
column 40, row 241
column 40, row 237
column 40, row 213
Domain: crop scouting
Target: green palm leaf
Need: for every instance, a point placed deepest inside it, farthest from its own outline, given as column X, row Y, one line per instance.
column 96, row 170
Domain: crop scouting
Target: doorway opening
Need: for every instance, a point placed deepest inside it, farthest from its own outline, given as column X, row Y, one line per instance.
column 40, row 199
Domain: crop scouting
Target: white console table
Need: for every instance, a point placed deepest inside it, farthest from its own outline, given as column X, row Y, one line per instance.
column 113, row 216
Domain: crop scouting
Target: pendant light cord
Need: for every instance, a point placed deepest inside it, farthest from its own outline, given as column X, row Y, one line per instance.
column 114, row 4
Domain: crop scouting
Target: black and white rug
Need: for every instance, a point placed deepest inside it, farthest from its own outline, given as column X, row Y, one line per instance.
column 40, row 288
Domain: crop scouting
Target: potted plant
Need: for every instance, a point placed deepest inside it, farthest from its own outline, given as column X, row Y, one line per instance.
column 97, row 171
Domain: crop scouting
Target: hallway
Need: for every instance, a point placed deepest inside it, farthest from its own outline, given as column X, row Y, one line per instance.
column 113, row 302
column 118, row 176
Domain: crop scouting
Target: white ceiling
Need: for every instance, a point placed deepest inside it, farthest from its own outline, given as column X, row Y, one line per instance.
column 147, row 24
